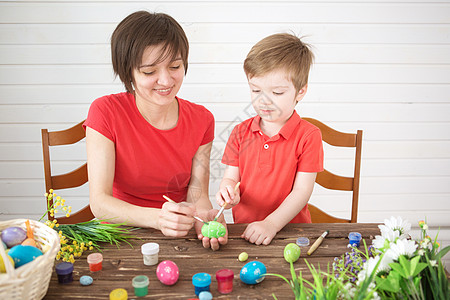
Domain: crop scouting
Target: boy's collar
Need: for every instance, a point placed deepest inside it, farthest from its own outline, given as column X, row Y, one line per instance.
column 287, row 129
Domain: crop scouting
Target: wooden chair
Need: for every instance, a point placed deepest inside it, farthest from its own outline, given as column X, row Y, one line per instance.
column 335, row 182
column 71, row 179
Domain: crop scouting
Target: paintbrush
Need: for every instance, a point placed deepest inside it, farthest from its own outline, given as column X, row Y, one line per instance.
column 317, row 243
column 195, row 217
column 225, row 204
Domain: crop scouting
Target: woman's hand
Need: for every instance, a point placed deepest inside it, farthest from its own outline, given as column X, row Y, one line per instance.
column 261, row 232
column 176, row 219
column 212, row 243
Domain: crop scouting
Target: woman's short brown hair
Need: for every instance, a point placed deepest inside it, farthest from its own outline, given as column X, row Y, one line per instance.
column 138, row 31
column 280, row 51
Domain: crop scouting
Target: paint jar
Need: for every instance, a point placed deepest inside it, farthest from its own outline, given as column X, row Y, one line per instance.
column 150, row 252
column 95, row 262
column 118, row 294
column 354, row 238
column 302, row 241
column 201, row 282
column 65, row 272
column 140, row 284
column 225, row 281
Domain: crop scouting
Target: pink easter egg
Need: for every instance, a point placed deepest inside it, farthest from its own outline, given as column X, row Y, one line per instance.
column 167, row 272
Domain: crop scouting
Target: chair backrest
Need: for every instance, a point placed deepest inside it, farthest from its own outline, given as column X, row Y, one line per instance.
column 335, row 182
column 71, row 179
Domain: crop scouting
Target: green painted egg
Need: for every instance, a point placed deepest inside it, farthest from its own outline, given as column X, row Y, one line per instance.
column 291, row 252
column 213, row 229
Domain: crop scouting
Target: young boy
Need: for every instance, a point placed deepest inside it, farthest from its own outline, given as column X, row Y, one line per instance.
column 275, row 155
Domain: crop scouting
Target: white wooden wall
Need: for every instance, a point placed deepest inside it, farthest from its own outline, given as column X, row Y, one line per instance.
column 381, row 67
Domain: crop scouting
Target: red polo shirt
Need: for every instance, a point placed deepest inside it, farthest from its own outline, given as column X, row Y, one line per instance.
column 268, row 166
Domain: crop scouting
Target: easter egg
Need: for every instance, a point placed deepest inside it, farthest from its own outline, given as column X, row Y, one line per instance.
column 2, row 263
column 291, row 252
column 243, row 256
column 253, row 272
column 167, row 272
column 13, row 236
column 23, row 254
column 86, row 280
column 213, row 229
column 205, row 295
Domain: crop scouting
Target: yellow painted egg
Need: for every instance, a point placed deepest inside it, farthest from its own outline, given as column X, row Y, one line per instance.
column 2, row 263
column 243, row 256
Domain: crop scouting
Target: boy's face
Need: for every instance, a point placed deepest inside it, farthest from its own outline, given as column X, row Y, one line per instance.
column 274, row 97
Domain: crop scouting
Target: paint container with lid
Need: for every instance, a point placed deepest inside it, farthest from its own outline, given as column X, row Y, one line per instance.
column 354, row 239
column 225, row 281
column 95, row 262
column 150, row 252
column 201, row 282
column 65, row 272
column 140, row 284
column 302, row 241
column 118, row 294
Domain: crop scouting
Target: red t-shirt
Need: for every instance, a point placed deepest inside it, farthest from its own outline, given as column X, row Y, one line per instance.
column 268, row 166
column 150, row 162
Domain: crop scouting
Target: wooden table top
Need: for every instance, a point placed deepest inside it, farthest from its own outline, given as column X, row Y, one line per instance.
column 121, row 265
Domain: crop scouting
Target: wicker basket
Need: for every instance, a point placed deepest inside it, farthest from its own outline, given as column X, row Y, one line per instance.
column 31, row 280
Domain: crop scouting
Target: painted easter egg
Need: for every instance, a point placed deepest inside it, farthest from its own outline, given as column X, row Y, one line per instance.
column 213, row 229
column 243, row 256
column 86, row 280
column 252, row 272
column 13, row 236
column 2, row 263
column 24, row 254
column 291, row 252
column 167, row 272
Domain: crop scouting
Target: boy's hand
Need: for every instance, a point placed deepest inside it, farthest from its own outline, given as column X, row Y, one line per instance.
column 229, row 195
column 261, row 232
column 212, row 243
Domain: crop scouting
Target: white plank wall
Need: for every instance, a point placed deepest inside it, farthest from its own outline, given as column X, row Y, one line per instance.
column 381, row 67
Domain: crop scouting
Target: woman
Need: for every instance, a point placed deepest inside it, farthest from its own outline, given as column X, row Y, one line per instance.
column 146, row 142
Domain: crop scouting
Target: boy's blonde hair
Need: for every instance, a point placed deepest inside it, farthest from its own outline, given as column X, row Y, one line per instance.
column 280, row 51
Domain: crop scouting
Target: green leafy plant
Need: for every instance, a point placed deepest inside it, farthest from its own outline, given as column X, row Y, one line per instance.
column 393, row 267
column 79, row 237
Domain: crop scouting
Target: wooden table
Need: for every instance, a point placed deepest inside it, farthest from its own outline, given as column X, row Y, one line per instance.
column 121, row 265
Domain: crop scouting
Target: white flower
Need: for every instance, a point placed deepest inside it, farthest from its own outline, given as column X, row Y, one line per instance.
column 370, row 264
column 386, row 235
column 379, row 241
column 425, row 227
column 397, row 224
column 433, row 263
column 421, row 252
column 401, row 247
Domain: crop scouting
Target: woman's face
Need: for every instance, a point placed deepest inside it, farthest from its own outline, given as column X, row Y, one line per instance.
column 158, row 83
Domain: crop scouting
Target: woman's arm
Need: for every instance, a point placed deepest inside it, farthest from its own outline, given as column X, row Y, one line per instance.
column 172, row 219
column 199, row 195
column 264, row 231
column 198, row 190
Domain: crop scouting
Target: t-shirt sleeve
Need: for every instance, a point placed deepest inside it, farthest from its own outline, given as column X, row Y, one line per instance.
column 209, row 133
column 311, row 154
column 231, row 154
column 100, row 118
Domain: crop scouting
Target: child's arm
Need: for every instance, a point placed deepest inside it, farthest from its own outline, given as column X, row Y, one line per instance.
column 263, row 232
column 226, row 191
